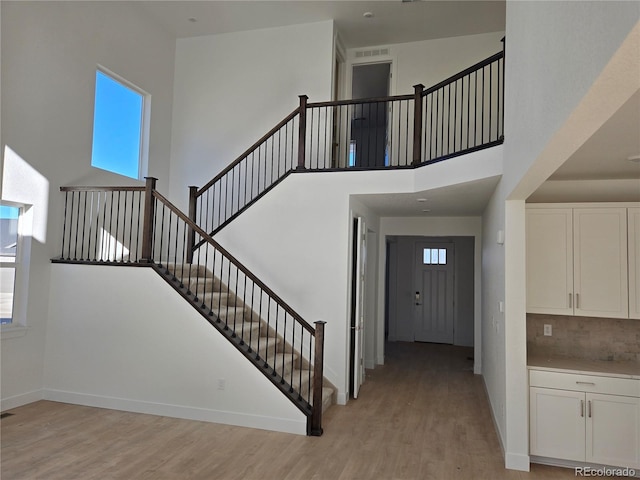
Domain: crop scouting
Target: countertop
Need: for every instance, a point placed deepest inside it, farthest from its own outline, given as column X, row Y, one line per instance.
column 583, row 366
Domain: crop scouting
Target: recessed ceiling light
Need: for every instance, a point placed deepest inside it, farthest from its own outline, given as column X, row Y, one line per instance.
column 421, row 199
column 634, row 158
column 367, row 14
column 193, row 19
column 426, row 210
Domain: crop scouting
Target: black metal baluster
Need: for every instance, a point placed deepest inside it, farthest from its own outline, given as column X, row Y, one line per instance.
column 90, row 227
column 448, row 118
column 475, row 109
column 84, row 223
column 64, row 225
column 490, row 97
column 73, row 197
column 138, row 227
column 455, row 114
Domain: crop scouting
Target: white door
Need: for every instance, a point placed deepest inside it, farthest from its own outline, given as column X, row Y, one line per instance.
column 550, row 260
column 358, row 328
column 634, row 262
column 613, row 430
column 433, row 298
column 600, row 262
column 557, row 423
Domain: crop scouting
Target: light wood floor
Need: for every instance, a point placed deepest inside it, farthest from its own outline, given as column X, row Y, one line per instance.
column 423, row 415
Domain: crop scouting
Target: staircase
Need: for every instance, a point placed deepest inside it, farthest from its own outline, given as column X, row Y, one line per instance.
column 140, row 227
column 252, row 334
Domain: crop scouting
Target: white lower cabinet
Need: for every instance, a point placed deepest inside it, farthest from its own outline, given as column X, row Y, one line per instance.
column 585, row 418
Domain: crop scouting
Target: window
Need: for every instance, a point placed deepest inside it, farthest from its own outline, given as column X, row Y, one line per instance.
column 9, row 219
column 119, row 126
column 434, row 256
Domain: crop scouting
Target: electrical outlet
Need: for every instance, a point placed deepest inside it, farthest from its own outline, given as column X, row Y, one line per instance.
column 547, row 330
column 222, row 384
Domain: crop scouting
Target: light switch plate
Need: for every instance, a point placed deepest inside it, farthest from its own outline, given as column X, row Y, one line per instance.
column 547, row 330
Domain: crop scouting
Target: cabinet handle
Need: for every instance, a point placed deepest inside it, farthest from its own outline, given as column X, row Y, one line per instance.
column 577, row 300
column 585, row 383
column 582, row 408
column 589, row 408
column 570, row 301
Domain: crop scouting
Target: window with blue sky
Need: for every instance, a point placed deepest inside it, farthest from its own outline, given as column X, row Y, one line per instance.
column 117, row 127
column 9, row 216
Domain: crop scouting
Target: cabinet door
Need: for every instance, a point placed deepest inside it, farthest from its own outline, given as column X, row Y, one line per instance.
column 549, row 260
column 613, row 430
column 634, row 262
column 557, row 423
column 600, row 262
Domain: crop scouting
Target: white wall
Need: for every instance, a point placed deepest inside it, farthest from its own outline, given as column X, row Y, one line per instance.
column 231, row 89
column 430, row 61
column 50, row 51
column 147, row 350
column 297, row 240
column 555, row 54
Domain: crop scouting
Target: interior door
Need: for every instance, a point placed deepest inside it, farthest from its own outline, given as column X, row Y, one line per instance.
column 357, row 327
column 433, row 298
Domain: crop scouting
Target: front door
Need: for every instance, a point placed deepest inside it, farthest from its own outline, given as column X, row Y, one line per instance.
column 433, row 297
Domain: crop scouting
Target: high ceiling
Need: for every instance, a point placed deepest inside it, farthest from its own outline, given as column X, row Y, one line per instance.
column 604, row 156
column 392, row 21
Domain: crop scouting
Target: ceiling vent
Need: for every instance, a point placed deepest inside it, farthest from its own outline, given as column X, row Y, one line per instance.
column 372, row 53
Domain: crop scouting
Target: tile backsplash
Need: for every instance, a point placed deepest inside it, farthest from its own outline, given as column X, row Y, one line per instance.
column 584, row 337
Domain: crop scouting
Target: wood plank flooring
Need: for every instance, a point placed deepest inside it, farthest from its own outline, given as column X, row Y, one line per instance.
column 423, row 415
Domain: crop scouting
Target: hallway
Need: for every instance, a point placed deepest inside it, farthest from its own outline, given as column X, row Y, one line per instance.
column 423, row 415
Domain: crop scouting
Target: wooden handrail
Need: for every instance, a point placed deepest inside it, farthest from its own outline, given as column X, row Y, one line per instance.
column 463, row 73
column 248, row 151
column 360, row 101
column 102, row 189
column 192, row 225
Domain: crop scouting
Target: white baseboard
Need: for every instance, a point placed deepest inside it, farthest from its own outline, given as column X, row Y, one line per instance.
column 493, row 417
column 179, row 411
column 20, row 400
column 517, row 461
column 342, row 398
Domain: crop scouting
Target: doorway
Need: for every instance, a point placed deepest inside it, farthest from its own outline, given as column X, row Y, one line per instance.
column 368, row 139
column 431, row 289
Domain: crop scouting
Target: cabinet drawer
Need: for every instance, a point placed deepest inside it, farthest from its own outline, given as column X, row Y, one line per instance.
column 585, row 383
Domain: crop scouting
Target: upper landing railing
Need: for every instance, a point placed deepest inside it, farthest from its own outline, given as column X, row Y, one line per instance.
column 459, row 115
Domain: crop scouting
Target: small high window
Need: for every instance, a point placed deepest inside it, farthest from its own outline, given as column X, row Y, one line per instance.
column 119, row 126
column 434, row 256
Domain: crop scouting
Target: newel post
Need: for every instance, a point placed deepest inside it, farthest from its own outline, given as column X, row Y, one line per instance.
column 191, row 240
column 147, row 221
column 318, row 377
column 302, row 131
column 417, row 123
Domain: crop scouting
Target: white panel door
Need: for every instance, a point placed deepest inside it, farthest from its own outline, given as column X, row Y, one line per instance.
column 600, row 262
column 613, row 430
column 549, row 234
column 633, row 226
column 557, row 423
column 434, row 316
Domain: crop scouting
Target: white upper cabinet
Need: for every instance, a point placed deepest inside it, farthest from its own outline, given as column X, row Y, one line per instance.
column 634, row 262
column 583, row 260
column 600, row 262
column 550, row 261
